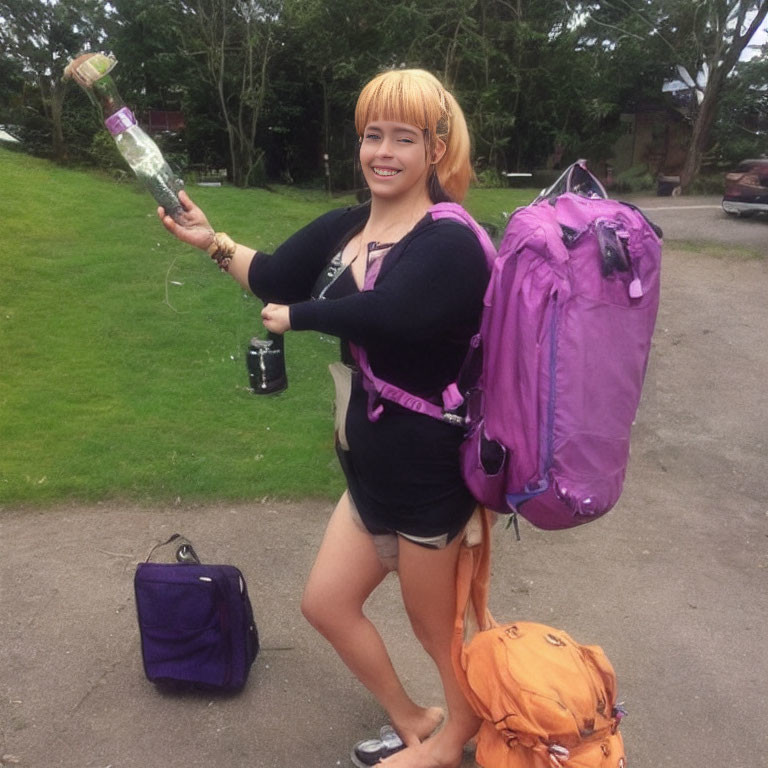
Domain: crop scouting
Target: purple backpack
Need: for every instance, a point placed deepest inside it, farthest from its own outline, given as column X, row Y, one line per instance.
column 563, row 344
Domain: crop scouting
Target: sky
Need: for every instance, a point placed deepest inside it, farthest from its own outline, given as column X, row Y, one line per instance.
column 760, row 38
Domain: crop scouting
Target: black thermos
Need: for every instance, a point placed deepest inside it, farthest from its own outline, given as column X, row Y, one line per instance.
column 266, row 365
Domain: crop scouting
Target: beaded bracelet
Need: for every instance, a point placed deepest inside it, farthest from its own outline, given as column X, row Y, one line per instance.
column 222, row 250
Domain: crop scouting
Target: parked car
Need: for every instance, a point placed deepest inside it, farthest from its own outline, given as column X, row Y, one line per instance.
column 746, row 188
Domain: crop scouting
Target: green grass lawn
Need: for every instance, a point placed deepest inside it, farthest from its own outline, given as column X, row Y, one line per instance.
column 122, row 351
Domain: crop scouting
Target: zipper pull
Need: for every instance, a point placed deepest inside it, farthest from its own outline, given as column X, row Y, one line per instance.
column 513, row 522
column 636, row 285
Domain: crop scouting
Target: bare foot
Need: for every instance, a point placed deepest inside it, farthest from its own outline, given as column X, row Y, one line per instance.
column 419, row 726
column 432, row 753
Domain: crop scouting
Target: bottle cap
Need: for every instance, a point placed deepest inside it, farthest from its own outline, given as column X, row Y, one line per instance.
column 121, row 121
column 89, row 68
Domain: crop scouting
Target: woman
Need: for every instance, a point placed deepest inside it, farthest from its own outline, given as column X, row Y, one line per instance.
column 406, row 504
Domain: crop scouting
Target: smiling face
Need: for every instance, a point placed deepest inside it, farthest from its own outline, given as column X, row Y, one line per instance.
column 416, row 99
column 394, row 159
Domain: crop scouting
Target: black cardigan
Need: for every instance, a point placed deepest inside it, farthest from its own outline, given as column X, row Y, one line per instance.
column 416, row 323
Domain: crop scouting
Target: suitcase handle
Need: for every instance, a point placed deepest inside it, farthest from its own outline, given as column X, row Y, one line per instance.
column 185, row 552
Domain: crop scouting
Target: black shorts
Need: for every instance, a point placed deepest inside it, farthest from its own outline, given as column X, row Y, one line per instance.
column 430, row 523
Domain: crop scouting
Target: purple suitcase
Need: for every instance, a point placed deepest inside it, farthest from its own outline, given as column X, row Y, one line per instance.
column 196, row 624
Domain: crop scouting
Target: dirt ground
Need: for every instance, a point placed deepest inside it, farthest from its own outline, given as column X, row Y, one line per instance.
column 673, row 584
column 701, row 218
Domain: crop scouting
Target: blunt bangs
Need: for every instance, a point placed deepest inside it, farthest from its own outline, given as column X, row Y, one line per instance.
column 402, row 96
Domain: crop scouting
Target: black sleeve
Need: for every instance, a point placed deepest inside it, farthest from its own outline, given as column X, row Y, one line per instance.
column 288, row 275
column 437, row 283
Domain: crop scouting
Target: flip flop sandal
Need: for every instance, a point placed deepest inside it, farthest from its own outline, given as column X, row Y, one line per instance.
column 370, row 751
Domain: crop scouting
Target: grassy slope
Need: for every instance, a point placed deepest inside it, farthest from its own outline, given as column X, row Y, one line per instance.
column 122, row 352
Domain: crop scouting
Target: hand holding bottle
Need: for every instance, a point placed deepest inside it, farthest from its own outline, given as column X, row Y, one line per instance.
column 191, row 226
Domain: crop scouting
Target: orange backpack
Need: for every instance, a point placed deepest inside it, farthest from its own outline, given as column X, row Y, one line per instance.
column 545, row 700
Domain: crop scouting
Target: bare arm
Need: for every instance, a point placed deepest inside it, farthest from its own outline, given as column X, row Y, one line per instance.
column 195, row 230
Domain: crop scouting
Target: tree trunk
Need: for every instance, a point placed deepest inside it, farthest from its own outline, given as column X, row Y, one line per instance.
column 52, row 100
column 218, row 73
column 326, row 134
column 705, row 117
column 58, row 91
column 256, row 155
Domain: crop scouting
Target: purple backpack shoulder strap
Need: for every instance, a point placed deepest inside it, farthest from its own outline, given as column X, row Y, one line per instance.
column 378, row 388
column 457, row 213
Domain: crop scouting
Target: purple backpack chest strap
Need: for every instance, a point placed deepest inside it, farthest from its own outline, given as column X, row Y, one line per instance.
column 377, row 388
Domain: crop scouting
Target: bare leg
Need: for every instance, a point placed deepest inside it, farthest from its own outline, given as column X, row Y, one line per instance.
column 428, row 582
column 346, row 571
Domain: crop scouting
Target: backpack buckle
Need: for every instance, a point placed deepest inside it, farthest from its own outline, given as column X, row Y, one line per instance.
column 558, row 755
column 452, row 398
column 454, row 419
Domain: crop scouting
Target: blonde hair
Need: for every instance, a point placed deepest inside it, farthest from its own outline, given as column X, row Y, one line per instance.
column 416, row 97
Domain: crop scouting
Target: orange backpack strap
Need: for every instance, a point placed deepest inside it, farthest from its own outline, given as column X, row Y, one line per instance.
column 472, row 585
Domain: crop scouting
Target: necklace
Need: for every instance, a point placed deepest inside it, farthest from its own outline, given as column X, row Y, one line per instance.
column 375, row 245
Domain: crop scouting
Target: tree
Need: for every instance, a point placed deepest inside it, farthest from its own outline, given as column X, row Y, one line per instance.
column 706, row 35
column 233, row 43
column 741, row 129
column 42, row 36
column 720, row 38
column 474, row 46
column 529, row 89
column 145, row 37
column 325, row 52
column 11, row 90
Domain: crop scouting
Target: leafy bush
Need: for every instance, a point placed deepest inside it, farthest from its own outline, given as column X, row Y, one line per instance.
column 104, row 153
column 490, row 178
column 545, row 177
column 174, row 149
column 708, row 184
column 743, row 147
column 35, row 135
column 635, row 179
